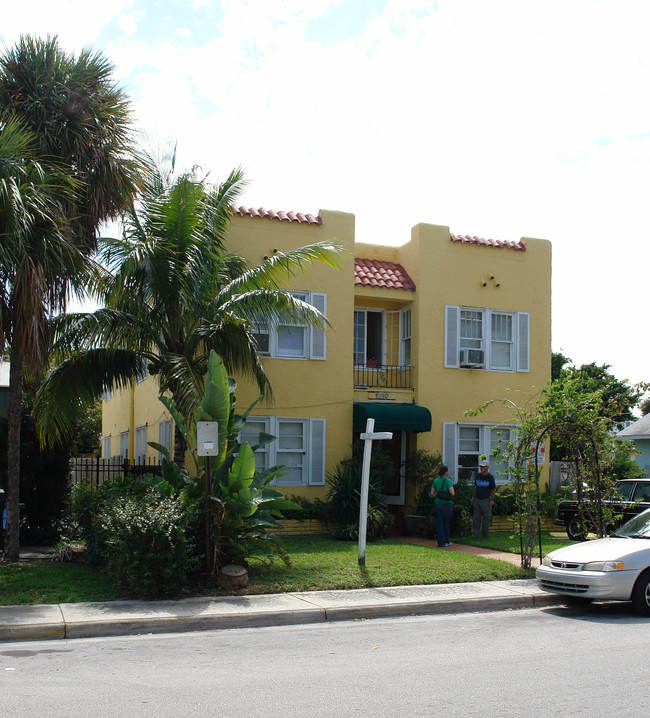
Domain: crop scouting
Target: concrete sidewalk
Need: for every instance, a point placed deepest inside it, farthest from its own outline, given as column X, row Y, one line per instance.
column 118, row 618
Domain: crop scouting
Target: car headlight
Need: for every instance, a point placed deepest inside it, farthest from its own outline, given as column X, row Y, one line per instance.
column 603, row 566
column 546, row 561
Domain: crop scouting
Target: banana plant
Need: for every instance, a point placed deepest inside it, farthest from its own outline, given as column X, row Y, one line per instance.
column 244, row 507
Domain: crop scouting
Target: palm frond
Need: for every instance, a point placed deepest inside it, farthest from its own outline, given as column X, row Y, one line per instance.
column 77, row 381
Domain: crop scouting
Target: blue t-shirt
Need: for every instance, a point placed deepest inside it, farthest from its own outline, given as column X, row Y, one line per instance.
column 485, row 485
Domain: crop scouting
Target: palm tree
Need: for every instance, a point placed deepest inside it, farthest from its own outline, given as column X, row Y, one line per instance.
column 174, row 295
column 76, row 124
column 39, row 263
column 80, row 118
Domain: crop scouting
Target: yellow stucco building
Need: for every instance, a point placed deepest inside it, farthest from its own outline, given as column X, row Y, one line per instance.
column 421, row 333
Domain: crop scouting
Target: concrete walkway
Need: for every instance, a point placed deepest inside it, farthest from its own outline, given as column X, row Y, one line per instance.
column 512, row 558
column 117, row 618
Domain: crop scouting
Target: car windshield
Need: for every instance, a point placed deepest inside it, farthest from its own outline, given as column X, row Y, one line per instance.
column 637, row 527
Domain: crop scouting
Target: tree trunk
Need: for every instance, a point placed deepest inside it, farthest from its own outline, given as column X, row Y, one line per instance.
column 12, row 538
column 179, row 448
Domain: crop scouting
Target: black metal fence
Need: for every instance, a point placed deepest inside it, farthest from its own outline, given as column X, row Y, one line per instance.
column 93, row 472
column 386, row 377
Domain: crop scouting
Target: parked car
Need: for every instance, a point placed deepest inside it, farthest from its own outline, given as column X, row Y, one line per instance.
column 614, row 568
column 629, row 498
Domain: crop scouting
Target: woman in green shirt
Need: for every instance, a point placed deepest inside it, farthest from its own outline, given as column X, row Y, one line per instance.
column 442, row 490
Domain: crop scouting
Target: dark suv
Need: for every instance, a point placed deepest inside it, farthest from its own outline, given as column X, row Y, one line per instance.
column 630, row 497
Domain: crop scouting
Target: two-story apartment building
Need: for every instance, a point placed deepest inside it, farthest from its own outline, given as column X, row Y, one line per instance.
column 421, row 333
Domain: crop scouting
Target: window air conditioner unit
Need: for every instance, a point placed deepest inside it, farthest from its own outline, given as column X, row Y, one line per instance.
column 472, row 357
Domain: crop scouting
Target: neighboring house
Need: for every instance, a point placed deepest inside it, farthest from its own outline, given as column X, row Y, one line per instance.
column 421, row 333
column 639, row 433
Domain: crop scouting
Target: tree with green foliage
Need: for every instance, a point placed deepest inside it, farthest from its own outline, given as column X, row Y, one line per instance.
column 579, row 423
column 65, row 142
column 619, row 397
column 243, row 509
column 645, row 406
column 174, row 295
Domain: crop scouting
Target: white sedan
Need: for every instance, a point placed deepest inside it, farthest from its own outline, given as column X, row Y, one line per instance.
column 614, row 568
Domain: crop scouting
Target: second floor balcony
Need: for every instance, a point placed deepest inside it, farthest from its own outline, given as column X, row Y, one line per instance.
column 386, row 377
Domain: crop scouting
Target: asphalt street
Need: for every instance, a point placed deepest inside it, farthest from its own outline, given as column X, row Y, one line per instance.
column 552, row 661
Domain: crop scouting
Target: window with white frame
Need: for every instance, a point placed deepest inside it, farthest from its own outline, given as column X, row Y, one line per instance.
column 299, row 446
column 368, row 337
column 250, row 434
column 141, row 444
column 165, row 437
column 124, row 445
column 479, row 338
column 107, row 447
column 292, row 340
column 463, row 444
column 405, row 337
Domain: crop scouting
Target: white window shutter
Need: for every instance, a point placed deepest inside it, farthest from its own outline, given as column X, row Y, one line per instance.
column 449, row 452
column 451, row 337
column 523, row 341
column 316, row 452
column 317, row 349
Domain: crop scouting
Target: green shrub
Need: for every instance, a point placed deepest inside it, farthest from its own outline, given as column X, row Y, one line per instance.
column 461, row 517
column 344, row 496
column 87, row 502
column 309, row 509
column 505, row 501
column 421, row 469
column 145, row 544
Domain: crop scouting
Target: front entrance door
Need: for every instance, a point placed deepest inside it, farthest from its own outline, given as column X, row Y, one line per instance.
column 397, row 448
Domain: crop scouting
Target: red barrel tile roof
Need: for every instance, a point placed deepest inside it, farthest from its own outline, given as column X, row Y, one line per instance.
column 387, row 275
column 272, row 214
column 498, row 243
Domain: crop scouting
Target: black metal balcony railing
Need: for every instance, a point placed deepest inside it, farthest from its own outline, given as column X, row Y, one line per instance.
column 385, row 377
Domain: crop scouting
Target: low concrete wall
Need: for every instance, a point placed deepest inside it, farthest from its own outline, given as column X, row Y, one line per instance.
column 501, row 523
column 308, row 527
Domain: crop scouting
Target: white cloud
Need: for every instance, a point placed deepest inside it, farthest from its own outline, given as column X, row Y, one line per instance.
column 76, row 22
column 128, row 23
column 499, row 119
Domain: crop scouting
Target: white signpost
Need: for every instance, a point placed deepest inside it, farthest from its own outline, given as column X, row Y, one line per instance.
column 368, row 438
column 207, row 444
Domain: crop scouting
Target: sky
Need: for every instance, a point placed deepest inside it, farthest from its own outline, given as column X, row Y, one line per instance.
column 501, row 119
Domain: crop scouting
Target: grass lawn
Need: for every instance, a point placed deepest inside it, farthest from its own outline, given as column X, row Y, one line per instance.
column 47, row 582
column 317, row 563
column 509, row 542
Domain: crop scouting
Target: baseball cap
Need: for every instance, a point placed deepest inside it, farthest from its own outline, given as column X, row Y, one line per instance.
column 483, row 463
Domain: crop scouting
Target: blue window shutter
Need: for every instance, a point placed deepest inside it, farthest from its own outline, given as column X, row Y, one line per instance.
column 449, row 452
column 523, row 341
column 451, row 338
column 317, row 349
column 316, row 452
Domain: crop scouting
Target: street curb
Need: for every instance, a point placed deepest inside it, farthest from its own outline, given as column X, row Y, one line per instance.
column 128, row 618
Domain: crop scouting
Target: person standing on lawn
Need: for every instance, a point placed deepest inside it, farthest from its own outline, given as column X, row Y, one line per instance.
column 482, row 500
column 442, row 490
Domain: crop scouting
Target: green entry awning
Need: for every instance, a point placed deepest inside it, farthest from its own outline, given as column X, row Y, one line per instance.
column 391, row 417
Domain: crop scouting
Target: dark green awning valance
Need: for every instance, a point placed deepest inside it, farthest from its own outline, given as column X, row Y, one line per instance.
column 391, row 417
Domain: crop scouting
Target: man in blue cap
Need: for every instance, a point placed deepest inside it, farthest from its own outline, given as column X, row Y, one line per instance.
column 482, row 500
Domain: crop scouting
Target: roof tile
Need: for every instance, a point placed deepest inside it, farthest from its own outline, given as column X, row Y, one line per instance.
column 272, row 214
column 498, row 243
column 386, row 275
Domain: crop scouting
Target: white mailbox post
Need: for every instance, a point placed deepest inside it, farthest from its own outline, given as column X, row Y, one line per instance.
column 368, row 438
column 207, row 444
